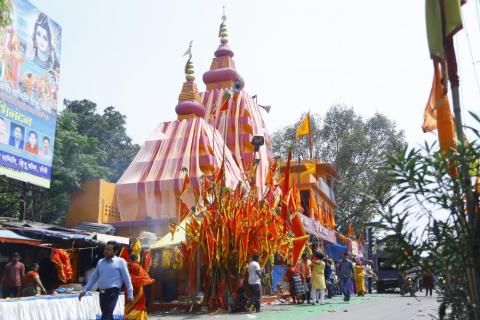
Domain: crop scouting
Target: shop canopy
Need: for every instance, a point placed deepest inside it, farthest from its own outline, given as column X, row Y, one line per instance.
column 335, row 251
column 8, row 236
column 167, row 241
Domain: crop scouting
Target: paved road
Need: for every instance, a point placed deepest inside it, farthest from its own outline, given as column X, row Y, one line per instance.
column 373, row 307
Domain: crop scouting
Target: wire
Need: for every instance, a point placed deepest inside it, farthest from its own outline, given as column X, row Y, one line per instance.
column 459, row 67
column 478, row 14
column 471, row 54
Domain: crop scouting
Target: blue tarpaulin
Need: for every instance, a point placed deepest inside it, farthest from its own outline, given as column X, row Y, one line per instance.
column 335, row 251
column 277, row 277
column 7, row 234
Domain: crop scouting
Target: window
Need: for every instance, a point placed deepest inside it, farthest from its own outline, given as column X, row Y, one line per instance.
column 305, row 201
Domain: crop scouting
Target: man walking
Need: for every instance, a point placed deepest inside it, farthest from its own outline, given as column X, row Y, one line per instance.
column 13, row 277
column 346, row 273
column 254, row 282
column 329, row 277
column 111, row 272
column 370, row 274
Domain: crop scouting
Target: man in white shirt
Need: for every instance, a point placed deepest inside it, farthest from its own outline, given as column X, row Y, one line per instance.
column 370, row 275
column 254, row 281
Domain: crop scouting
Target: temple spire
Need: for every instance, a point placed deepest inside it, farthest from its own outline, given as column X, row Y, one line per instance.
column 189, row 69
column 223, row 32
column 222, row 73
column 189, row 101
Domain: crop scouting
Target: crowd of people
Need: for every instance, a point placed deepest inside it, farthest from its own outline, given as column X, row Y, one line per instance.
column 312, row 280
column 319, row 278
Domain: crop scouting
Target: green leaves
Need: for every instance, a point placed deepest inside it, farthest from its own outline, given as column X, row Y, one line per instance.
column 357, row 148
column 427, row 221
column 88, row 146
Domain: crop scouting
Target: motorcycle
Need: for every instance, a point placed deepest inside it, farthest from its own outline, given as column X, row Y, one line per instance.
column 410, row 286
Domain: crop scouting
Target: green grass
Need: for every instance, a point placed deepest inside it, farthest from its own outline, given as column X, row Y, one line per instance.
column 307, row 311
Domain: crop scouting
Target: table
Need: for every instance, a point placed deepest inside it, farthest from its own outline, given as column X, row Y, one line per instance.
column 60, row 307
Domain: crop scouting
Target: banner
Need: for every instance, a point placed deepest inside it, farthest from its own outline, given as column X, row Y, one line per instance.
column 29, row 81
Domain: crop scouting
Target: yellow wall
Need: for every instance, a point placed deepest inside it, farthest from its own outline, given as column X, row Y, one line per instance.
column 96, row 202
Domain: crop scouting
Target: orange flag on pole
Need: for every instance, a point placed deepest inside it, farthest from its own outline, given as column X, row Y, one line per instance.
column 437, row 113
column 304, row 127
column 314, row 207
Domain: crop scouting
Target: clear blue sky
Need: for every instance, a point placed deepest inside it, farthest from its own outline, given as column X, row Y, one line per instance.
column 296, row 55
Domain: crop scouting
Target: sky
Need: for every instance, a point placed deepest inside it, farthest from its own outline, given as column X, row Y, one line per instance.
column 297, row 56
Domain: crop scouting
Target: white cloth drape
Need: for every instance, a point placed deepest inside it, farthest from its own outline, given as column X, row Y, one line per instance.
column 61, row 307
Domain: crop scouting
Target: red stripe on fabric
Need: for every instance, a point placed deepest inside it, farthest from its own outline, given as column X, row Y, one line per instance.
column 172, row 132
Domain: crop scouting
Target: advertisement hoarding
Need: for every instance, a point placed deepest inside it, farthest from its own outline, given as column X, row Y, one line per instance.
column 29, row 80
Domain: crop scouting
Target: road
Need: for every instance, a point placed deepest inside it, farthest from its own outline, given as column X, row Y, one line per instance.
column 372, row 307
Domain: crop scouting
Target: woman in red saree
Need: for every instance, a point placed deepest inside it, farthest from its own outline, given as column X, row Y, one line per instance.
column 136, row 309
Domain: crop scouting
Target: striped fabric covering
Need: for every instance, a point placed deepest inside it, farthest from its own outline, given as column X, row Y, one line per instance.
column 151, row 184
column 244, row 121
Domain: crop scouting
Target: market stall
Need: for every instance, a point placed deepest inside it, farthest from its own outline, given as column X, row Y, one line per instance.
column 168, row 267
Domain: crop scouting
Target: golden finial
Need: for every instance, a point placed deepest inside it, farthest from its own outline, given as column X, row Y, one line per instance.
column 189, row 70
column 223, row 34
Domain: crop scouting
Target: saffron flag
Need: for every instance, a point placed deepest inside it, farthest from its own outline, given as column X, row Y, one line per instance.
column 314, row 207
column 286, row 186
column 437, row 114
column 186, row 182
column 304, row 127
column 184, row 211
column 350, row 231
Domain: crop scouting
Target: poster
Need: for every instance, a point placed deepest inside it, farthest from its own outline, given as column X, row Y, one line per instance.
column 30, row 49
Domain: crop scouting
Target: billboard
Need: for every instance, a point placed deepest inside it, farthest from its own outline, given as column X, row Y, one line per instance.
column 29, row 77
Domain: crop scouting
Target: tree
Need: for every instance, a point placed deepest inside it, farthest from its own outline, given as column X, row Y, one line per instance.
column 428, row 214
column 109, row 129
column 87, row 146
column 356, row 148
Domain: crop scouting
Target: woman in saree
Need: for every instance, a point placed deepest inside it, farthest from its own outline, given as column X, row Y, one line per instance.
column 359, row 278
column 136, row 310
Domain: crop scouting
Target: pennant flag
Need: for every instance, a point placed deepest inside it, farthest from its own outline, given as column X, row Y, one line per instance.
column 298, row 246
column 304, row 127
column 271, row 174
column 184, row 210
column 186, row 182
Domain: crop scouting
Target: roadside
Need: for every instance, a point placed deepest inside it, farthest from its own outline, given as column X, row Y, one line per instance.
column 381, row 307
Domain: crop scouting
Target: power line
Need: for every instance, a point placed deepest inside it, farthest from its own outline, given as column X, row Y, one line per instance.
column 471, row 53
column 478, row 14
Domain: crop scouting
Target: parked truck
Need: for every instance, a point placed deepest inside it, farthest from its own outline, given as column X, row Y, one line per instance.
column 387, row 274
